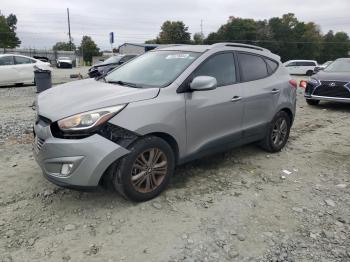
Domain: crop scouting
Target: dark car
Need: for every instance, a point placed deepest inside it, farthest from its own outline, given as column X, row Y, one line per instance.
column 109, row 64
column 322, row 67
column 331, row 84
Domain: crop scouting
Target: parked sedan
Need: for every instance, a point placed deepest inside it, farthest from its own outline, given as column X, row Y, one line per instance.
column 331, row 84
column 109, row 64
column 18, row 69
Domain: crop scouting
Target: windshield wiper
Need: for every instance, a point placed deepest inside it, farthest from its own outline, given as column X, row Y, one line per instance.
column 122, row 83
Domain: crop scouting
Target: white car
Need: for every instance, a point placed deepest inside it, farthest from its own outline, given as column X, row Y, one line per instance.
column 300, row 67
column 64, row 62
column 19, row 69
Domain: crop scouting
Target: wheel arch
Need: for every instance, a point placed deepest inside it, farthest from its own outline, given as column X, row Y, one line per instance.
column 289, row 113
column 170, row 140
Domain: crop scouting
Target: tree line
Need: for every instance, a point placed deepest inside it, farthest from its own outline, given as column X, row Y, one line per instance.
column 285, row 36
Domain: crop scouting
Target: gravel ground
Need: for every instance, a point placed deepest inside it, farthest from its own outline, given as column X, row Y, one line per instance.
column 236, row 206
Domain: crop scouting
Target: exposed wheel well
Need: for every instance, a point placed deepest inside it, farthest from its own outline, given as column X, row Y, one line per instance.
column 290, row 114
column 170, row 140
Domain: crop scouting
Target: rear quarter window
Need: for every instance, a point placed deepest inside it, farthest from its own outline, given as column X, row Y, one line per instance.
column 271, row 65
column 252, row 67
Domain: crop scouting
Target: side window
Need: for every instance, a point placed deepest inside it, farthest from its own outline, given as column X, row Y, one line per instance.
column 292, row 64
column 22, row 60
column 6, row 60
column 252, row 67
column 309, row 64
column 271, row 65
column 221, row 66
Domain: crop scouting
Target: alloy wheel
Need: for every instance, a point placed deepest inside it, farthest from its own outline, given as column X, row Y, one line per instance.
column 149, row 170
column 279, row 131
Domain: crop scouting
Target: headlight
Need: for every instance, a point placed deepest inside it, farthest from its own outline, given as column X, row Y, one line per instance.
column 89, row 119
column 314, row 81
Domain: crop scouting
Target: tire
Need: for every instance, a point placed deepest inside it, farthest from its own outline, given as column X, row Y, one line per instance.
column 309, row 73
column 127, row 168
column 272, row 144
column 312, row 102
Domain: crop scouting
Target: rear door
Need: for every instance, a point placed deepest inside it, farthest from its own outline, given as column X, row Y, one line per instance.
column 214, row 117
column 25, row 69
column 8, row 74
column 260, row 92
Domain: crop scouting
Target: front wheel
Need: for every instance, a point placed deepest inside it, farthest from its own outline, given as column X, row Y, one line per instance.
column 145, row 172
column 312, row 102
column 277, row 133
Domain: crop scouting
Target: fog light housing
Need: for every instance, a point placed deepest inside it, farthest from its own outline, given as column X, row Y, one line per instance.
column 66, row 169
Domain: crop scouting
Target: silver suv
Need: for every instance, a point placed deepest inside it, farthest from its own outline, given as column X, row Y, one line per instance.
column 169, row 106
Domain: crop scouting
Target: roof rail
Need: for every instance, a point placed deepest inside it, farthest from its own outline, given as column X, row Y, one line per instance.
column 240, row 45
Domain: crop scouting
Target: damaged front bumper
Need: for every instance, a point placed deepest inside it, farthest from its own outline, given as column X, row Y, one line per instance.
column 74, row 162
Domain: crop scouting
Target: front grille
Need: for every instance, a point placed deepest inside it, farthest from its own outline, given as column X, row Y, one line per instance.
column 39, row 143
column 332, row 89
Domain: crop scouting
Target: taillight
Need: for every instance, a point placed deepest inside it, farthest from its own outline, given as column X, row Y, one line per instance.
column 293, row 83
column 303, row 84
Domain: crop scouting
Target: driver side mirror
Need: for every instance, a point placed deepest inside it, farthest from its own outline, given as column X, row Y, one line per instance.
column 202, row 83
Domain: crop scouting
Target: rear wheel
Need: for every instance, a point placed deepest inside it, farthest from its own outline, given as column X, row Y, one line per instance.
column 312, row 102
column 145, row 172
column 309, row 73
column 278, row 133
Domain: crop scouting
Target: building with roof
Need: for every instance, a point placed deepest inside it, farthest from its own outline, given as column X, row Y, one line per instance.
column 132, row 48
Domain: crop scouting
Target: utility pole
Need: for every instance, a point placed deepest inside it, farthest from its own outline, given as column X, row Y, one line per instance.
column 202, row 27
column 70, row 37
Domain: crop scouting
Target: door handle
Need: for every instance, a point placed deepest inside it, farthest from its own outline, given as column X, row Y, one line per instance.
column 275, row 91
column 236, row 99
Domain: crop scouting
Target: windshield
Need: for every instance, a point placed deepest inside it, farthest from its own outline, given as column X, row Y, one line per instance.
column 341, row 65
column 64, row 58
column 113, row 59
column 327, row 63
column 153, row 69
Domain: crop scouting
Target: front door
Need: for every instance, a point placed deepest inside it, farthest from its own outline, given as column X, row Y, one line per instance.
column 214, row 117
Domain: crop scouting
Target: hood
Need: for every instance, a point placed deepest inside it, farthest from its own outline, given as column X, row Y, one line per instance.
column 332, row 76
column 84, row 95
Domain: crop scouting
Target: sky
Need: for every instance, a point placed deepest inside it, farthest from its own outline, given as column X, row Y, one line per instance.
column 42, row 23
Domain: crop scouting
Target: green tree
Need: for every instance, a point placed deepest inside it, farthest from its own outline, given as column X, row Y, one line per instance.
column 63, row 46
column 198, row 38
column 152, row 41
column 284, row 35
column 309, row 40
column 334, row 46
column 88, row 49
column 8, row 37
column 174, row 32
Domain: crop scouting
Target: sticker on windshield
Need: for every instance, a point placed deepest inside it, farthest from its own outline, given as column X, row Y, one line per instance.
column 178, row 56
